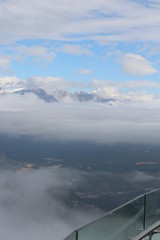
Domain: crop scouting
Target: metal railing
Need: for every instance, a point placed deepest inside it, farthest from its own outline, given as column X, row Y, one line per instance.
column 125, row 222
column 149, row 232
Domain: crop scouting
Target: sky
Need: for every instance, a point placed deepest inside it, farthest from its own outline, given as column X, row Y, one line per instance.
column 82, row 45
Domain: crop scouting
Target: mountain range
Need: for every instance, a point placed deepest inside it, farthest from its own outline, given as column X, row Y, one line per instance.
column 60, row 96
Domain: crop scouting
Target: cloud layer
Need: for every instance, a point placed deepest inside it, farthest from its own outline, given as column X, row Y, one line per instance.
column 29, row 210
column 130, row 17
column 89, row 122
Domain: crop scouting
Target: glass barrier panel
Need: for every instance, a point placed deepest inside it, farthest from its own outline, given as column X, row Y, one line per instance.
column 152, row 208
column 72, row 236
column 121, row 224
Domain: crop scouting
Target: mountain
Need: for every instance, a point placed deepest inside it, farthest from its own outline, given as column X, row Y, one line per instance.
column 39, row 92
column 89, row 97
column 4, row 91
column 61, row 96
column 81, row 97
column 96, row 96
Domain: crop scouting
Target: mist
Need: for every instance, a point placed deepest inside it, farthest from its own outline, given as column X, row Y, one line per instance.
column 29, row 210
column 27, row 115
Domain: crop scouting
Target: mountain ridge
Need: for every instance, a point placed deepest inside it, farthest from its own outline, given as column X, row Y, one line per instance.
column 60, row 95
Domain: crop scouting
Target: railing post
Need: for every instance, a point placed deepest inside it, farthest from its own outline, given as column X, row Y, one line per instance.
column 144, row 215
column 76, row 235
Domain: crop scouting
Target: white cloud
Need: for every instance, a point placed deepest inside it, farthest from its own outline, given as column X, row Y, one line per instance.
column 76, row 49
column 139, row 84
column 108, row 92
column 27, row 114
column 106, row 88
column 48, row 83
column 137, row 65
column 84, row 71
column 89, row 20
column 11, row 82
column 29, row 208
column 141, row 177
column 131, row 84
column 37, row 53
column 140, row 97
column 128, row 91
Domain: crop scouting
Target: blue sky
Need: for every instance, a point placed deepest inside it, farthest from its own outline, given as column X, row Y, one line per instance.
column 80, row 43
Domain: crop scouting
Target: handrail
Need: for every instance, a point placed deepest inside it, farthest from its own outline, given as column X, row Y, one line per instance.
column 142, row 198
column 149, row 231
column 110, row 212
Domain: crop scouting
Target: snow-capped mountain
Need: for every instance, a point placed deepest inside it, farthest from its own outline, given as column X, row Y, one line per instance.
column 96, row 96
column 4, row 91
column 89, row 97
column 39, row 92
column 60, row 95
column 81, row 97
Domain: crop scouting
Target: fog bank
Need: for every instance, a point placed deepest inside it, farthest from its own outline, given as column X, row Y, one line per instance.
column 28, row 210
column 27, row 115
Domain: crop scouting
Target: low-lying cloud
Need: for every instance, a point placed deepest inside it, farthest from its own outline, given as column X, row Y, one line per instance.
column 27, row 115
column 142, row 177
column 29, row 210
